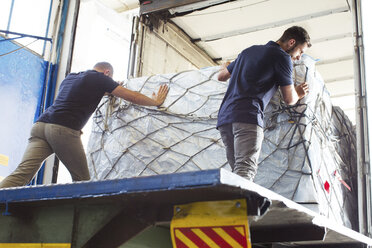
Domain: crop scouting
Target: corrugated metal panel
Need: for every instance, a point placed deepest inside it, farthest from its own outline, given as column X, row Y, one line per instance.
column 226, row 29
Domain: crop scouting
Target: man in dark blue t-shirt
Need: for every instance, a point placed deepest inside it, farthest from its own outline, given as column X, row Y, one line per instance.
column 58, row 129
column 254, row 78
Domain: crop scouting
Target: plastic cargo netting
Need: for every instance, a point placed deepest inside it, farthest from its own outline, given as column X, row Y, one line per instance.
column 308, row 154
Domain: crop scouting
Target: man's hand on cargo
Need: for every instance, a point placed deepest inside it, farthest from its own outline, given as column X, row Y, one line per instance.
column 302, row 90
column 139, row 98
column 161, row 95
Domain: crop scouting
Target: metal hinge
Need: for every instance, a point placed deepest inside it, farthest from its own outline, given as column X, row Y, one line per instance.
column 358, row 40
column 366, row 168
column 363, row 101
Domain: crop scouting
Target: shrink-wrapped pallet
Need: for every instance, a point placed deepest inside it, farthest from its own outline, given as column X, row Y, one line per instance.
column 308, row 154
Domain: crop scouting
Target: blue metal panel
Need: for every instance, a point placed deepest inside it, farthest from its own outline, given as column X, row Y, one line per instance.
column 62, row 29
column 151, row 199
column 40, row 105
column 22, row 76
column 48, row 24
column 10, row 15
column 22, row 35
column 111, row 187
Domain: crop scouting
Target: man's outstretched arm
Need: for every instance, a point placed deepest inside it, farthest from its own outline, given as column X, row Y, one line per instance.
column 140, row 99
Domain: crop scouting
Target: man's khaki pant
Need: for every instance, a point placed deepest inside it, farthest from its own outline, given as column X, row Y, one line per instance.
column 47, row 139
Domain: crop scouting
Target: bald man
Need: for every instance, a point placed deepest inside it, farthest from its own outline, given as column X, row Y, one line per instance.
column 58, row 129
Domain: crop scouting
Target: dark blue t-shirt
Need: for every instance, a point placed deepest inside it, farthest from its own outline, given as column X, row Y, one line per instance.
column 78, row 97
column 255, row 77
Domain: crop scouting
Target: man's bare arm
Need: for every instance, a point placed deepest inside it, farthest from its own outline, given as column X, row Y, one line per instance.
column 140, row 99
column 224, row 74
column 291, row 94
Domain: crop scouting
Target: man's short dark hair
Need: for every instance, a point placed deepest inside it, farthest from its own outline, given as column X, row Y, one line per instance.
column 297, row 33
column 104, row 66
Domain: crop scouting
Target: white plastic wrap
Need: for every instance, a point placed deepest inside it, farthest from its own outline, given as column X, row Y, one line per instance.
column 306, row 147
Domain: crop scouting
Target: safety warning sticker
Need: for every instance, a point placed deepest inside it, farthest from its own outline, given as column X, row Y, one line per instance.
column 211, row 224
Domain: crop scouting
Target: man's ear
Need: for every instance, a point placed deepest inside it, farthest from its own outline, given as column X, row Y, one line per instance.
column 107, row 72
column 291, row 43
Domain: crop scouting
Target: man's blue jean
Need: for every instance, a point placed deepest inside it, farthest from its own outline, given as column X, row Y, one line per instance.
column 47, row 139
column 243, row 144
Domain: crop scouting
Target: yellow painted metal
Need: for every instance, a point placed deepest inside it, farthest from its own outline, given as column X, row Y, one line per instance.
column 4, row 160
column 211, row 224
column 35, row 245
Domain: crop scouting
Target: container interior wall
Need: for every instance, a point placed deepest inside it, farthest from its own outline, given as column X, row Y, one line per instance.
column 159, row 58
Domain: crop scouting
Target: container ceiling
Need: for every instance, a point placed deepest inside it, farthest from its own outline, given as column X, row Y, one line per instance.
column 224, row 28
